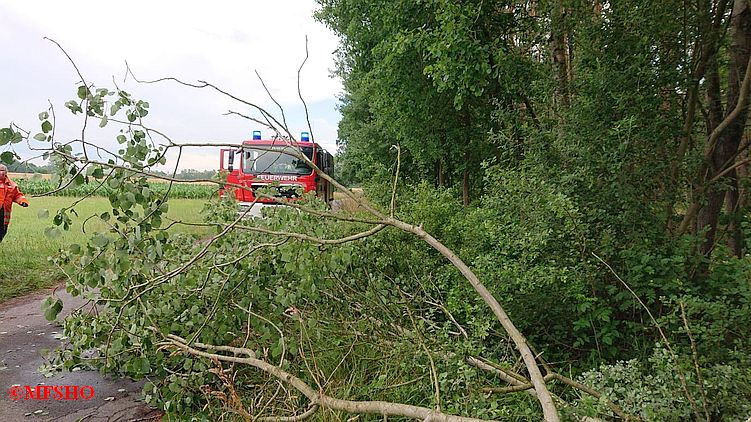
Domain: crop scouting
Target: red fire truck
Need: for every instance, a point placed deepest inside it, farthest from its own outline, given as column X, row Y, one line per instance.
column 276, row 163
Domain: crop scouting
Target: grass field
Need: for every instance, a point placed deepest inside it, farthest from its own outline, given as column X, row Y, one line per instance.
column 23, row 253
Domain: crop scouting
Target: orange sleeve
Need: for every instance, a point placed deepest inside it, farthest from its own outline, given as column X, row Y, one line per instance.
column 19, row 198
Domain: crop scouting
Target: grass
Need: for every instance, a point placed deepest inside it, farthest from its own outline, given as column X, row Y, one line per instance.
column 24, row 266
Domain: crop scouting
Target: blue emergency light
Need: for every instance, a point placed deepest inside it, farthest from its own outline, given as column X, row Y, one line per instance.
column 256, row 135
column 305, row 136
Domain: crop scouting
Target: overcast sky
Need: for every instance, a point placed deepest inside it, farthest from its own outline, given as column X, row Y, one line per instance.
column 222, row 42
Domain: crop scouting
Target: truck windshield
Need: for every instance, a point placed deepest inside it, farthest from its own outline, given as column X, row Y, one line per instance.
column 281, row 159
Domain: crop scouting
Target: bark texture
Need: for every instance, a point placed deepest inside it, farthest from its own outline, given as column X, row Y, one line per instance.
column 722, row 153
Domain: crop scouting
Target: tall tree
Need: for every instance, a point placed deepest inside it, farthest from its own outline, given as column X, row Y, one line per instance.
column 719, row 177
column 430, row 75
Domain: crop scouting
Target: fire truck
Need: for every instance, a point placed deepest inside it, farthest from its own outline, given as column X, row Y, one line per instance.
column 275, row 165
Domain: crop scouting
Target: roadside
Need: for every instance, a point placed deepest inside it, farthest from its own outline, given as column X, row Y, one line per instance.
column 24, row 334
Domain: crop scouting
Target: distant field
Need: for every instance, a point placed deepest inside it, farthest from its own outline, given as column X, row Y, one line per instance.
column 23, row 254
column 15, row 176
column 39, row 184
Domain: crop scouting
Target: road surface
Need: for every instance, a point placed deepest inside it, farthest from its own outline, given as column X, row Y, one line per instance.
column 24, row 333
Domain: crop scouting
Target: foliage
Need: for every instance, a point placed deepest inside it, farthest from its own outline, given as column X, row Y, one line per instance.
column 188, row 305
column 328, row 314
column 652, row 390
column 527, row 239
column 594, row 168
column 425, row 76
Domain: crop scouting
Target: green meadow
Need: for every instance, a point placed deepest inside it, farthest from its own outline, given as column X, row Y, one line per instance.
column 24, row 266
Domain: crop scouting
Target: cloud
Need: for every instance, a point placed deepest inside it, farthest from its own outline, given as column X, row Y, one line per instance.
column 223, row 42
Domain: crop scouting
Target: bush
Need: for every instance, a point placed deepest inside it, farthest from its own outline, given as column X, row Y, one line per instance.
column 652, row 389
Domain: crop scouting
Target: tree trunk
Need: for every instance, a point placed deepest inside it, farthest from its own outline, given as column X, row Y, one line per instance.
column 440, row 173
column 560, row 51
column 737, row 200
column 733, row 207
column 705, row 55
column 723, row 153
column 465, row 182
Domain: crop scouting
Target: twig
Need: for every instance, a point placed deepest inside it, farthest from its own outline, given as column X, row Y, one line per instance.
column 341, row 361
column 301, row 417
column 433, row 371
column 281, row 334
column 518, row 385
column 83, row 81
column 396, row 179
column 281, row 109
column 312, row 239
column 299, row 91
column 451, row 317
column 695, row 355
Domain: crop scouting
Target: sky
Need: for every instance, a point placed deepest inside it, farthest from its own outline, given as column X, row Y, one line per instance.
column 222, row 42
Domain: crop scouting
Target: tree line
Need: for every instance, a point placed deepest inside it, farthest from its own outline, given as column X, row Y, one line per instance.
column 184, row 174
column 636, row 108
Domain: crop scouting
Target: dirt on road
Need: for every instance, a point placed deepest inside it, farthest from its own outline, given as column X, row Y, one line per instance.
column 24, row 334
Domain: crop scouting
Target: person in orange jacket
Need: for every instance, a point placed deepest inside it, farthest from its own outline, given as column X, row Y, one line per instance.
column 9, row 193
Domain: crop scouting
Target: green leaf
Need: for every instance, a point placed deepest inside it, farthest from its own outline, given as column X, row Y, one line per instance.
column 44, row 116
column 103, row 123
column 43, row 213
column 83, row 92
column 51, row 306
column 145, row 366
column 46, row 126
column 7, row 157
column 73, row 106
column 40, row 137
column 5, row 135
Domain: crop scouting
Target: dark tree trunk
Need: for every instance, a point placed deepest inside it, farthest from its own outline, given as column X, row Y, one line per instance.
column 726, row 148
column 465, row 182
column 714, row 97
column 733, row 207
column 440, row 173
column 560, row 51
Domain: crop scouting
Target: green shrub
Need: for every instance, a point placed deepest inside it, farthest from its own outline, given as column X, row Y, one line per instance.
column 652, row 389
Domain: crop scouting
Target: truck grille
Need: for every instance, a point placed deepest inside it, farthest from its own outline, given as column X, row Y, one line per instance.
column 281, row 191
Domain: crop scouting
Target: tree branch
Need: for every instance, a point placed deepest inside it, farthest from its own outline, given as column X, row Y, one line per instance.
column 316, row 397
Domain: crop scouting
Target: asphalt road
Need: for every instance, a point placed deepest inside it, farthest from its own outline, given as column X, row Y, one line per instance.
column 24, row 333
